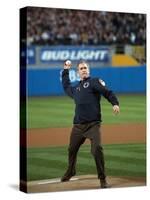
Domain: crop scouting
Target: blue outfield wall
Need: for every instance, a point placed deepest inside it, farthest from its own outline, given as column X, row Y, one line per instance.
column 45, row 82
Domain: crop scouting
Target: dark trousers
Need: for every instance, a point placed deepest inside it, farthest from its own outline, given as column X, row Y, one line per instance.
column 78, row 135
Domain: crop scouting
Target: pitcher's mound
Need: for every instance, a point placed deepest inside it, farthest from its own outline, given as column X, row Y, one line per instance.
column 81, row 183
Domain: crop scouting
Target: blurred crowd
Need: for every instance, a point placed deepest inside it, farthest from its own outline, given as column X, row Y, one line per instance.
column 64, row 27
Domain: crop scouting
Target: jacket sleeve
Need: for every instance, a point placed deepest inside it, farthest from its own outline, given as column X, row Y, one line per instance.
column 99, row 86
column 66, row 83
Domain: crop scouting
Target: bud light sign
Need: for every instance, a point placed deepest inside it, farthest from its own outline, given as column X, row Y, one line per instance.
column 56, row 54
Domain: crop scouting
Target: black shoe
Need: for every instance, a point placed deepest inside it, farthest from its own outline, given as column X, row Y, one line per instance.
column 67, row 177
column 104, row 184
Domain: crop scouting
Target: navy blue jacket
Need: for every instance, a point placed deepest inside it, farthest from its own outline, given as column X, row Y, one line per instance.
column 87, row 96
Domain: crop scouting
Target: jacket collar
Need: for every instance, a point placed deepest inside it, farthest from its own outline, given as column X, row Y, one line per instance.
column 85, row 79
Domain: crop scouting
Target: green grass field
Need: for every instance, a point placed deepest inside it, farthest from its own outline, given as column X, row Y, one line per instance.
column 59, row 111
column 121, row 160
column 51, row 162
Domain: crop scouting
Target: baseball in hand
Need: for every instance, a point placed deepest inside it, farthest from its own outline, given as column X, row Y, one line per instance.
column 67, row 64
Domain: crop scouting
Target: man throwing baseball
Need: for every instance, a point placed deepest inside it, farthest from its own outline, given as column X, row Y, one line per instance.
column 87, row 120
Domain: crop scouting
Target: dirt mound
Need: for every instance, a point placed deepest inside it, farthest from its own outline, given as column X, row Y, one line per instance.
column 83, row 182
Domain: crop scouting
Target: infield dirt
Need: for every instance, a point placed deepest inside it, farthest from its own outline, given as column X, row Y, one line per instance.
column 111, row 134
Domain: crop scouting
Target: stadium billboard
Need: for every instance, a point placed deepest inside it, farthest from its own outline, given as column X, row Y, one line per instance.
column 58, row 54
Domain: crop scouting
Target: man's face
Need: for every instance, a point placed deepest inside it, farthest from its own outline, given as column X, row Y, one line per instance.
column 83, row 70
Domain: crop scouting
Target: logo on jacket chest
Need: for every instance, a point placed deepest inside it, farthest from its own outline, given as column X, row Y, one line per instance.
column 86, row 84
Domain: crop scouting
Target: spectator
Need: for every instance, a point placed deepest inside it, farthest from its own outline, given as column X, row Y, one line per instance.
column 64, row 26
